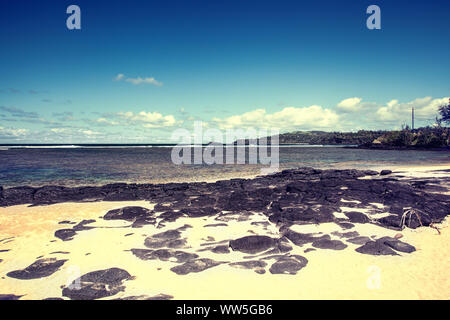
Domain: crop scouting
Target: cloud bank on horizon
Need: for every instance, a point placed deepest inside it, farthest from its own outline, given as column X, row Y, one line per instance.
column 145, row 126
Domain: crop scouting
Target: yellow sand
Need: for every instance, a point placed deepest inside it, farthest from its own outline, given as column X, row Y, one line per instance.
column 329, row 274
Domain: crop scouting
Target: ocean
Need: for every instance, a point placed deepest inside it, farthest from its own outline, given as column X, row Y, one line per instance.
column 78, row 165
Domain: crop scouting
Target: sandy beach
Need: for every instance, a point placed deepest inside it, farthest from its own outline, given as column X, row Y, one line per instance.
column 27, row 234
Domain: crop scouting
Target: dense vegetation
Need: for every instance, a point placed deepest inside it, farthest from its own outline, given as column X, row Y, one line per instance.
column 428, row 137
column 321, row 137
column 444, row 114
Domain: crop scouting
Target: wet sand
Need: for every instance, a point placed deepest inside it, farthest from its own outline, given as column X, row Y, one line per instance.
column 28, row 234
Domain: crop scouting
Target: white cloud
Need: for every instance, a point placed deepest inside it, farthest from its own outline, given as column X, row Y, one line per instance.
column 89, row 132
column 106, row 121
column 424, row 109
column 13, row 133
column 138, row 80
column 150, row 119
column 350, row 104
column 290, row 118
column 59, row 130
column 119, row 77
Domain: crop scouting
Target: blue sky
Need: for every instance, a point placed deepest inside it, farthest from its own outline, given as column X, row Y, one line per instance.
column 137, row 70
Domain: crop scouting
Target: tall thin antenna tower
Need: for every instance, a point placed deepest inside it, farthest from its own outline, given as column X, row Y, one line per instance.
column 412, row 118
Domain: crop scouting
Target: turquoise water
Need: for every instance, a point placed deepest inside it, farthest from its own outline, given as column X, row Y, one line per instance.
column 101, row 165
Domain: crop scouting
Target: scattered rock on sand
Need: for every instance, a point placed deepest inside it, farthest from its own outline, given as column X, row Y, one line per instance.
column 359, row 240
column 301, row 239
column 164, row 255
column 127, row 213
column 97, row 284
column 253, row 244
column 397, row 244
column 65, row 234
column 251, row 264
column 376, row 248
column 168, row 239
column 221, row 249
column 357, row 217
column 195, row 266
column 39, row 269
column 329, row 244
column 288, row 265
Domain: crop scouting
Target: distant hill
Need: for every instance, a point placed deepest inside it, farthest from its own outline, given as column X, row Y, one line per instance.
column 422, row 138
column 328, row 138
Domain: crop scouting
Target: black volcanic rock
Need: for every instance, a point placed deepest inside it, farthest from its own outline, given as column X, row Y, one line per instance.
column 199, row 211
column 250, row 264
column 392, row 221
column 288, row 265
column 197, row 265
column 164, row 255
column 97, row 284
column 356, row 217
column 65, row 234
column 82, row 225
column 168, row 239
column 39, row 269
column 385, row 172
column 376, row 248
column 397, row 244
column 295, row 196
column 329, row 244
column 359, row 240
column 253, row 244
column 220, row 249
column 68, row 234
column 18, row 195
column 127, row 213
column 301, row 239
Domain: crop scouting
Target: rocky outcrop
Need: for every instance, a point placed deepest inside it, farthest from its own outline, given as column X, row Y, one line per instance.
column 39, row 269
column 97, row 284
column 300, row 196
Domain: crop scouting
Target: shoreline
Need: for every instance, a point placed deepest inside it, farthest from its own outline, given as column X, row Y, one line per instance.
column 28, row 190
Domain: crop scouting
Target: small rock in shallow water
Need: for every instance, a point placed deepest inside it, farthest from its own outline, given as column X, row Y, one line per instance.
column 39, row 269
